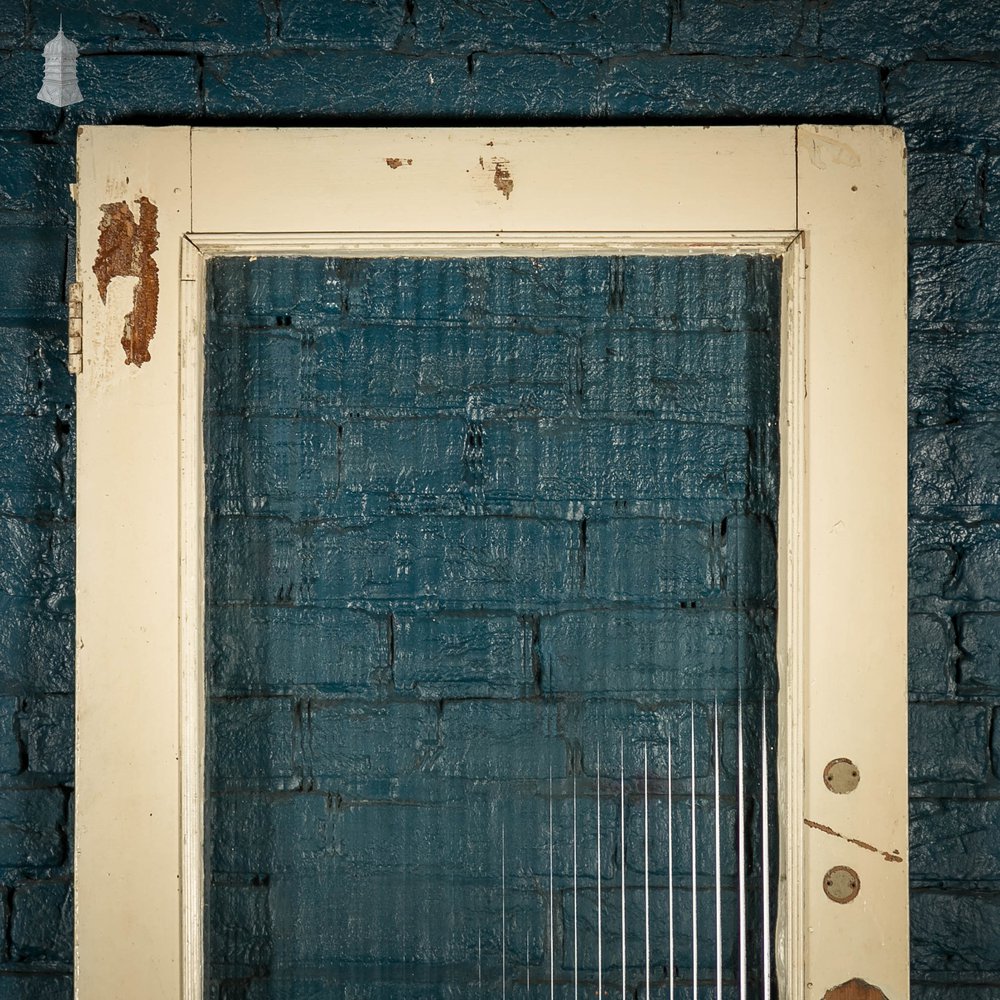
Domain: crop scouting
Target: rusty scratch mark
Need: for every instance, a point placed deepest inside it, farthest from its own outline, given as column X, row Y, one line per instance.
column 396, row 162
column 855, row 989
column 861, row 843
column 502, row 179
column 125, row 249
column 887, row 855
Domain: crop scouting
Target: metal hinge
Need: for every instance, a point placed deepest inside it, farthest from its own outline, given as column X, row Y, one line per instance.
column 74, row 357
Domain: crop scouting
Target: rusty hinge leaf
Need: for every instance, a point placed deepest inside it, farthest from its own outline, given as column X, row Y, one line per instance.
column 74, row 355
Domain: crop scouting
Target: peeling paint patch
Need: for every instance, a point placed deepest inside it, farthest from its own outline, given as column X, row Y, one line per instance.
column 396, row 162
column 502, row 179
column 125, row 249
column 855, row 989
column 886, row 855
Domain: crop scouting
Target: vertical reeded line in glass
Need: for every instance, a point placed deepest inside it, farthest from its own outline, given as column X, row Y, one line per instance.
column 527, row 963
column 765, row 855
column 552, row 902
column 670, row 859
column 645, row 850
column 621, row 863
column 741, row 848
column 694, row 875
column 503, row 911
column 718, row 855
column 576, row 952
column 600, row 943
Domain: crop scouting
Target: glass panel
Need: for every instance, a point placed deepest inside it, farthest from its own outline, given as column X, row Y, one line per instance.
column 488, row 540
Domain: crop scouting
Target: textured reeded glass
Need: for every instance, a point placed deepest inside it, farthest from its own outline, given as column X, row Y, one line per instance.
column 472, row 523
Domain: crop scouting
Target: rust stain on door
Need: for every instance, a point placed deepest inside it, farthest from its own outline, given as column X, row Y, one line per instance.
column 856, row 989
column 125, row 249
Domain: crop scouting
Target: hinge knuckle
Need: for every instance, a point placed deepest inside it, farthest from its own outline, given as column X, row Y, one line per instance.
column 74, row 355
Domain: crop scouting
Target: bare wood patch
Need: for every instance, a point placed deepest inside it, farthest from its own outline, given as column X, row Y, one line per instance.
column 502, row 179
column 396, row 162
column 855, row 989
column 125, row 249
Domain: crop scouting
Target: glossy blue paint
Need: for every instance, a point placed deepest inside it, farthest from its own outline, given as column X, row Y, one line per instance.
column 928, row 66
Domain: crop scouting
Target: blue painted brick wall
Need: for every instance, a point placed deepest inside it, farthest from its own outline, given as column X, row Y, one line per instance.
column 930, row 66
column 468, row 521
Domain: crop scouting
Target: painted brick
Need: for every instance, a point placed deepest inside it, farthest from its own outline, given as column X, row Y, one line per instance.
column 20, row 78
column 34, row 378
column 713, row 86
column 682, row 652
column 724, row 376
column 944, row 102
column 954, row 934
column 279, row 650
column 953, row 374
column 650, row 725
column 31, row 825
column 416, row 559
column 731, row 27
column 498, row 740
column 41, row 925
column 45, row 725
column 12, row 24
column 490, row 293
column 955, row 841
column 947, row 287
column 463, row 655
column 294, row 983
column 518, row 465
column 35, row 178
column 976, row 579
column 116, row 85
column 684, row 567
column 363, row 921
column 602, row 27
column 248, row 830
column 659, row 955
column 418, row 790
column 535, row 85
column 955, row 466
column 897, row 31
column 635, row 859
column 39, row 557
column 368, row 24
column 944, row 197
column 238, row 927
column 359, row 84
column 978, row 638
column 32, row 266
column 103, row 24
column 933, row 656
column 36, row 985
column 951, row 991
column 251, row 743
column 369, row 747
column 950, row 742
column 936, row 552
column 36, row 647
column 30, row 479
column 991, row 210
column 10, row 750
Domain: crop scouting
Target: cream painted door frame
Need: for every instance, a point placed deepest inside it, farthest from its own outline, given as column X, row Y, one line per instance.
column 154, row 204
